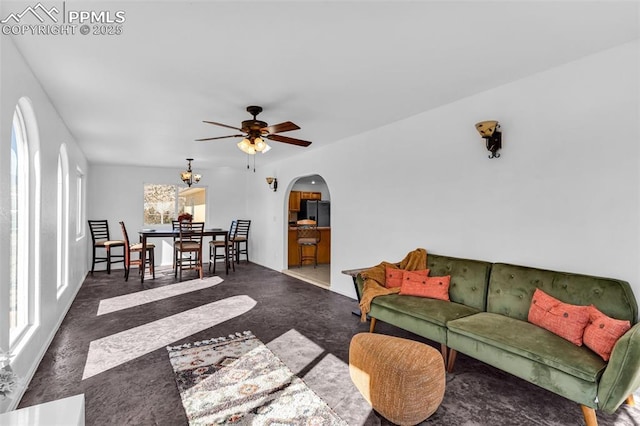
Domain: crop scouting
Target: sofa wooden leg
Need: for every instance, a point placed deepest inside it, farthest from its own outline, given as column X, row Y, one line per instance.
column 443, row 351
column 589, row 415
column 451, row 359
column 372, row 325
column 630, row 401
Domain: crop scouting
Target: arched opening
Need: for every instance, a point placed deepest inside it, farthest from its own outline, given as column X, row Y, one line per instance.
column 309, row 199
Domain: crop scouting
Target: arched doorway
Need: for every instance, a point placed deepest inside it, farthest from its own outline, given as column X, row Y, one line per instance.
column 309, row 198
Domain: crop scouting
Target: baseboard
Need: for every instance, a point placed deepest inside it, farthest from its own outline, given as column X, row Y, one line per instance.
column 34, row 367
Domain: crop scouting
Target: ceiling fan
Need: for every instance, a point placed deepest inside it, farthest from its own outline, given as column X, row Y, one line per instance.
column 255, row 131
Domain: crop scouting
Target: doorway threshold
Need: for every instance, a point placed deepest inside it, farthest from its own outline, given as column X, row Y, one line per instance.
column 320, row 276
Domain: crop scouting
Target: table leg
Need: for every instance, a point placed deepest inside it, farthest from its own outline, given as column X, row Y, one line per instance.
column 143, row 257
column 226, row 253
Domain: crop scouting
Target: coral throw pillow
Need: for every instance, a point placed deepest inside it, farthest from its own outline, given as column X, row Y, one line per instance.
column 432, row 287
column 603, row 332
column 565, row 320
column 393, row 276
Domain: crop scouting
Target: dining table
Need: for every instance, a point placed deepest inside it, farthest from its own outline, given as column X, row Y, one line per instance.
column 164, row 233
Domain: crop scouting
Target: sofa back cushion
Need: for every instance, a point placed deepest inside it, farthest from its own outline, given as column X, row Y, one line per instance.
column 469, row 278
column 511, row 288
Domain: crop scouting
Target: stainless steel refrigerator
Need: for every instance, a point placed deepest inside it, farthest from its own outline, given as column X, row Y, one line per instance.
column 320, row 211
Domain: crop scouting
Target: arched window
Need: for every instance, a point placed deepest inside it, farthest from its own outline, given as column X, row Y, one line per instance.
column 24, row 256
column 19, row 239
column 63, row 220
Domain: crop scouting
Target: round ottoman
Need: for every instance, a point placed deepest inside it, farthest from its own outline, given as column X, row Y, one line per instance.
column 403, row 380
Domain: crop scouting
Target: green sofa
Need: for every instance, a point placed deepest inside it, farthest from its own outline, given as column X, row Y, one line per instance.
column 486, row 318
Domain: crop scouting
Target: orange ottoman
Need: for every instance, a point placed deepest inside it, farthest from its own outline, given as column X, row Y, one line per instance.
column 403, row 380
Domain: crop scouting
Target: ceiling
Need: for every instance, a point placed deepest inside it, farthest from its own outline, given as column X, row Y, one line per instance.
column 336, row 69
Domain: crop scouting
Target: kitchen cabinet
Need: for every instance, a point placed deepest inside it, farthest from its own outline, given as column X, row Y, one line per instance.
column 294, row 201
column 324, row 247
column 296, row 196
column 311, row 195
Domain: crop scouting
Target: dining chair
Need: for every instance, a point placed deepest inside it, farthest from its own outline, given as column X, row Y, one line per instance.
column 242, row 237
column 189, row 248
column 307, row 235
column 101, row 240
column 137, row 248
column 175, row 225
column 228, row 251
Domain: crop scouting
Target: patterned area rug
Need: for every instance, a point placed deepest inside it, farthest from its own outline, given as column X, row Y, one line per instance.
column 238, row 380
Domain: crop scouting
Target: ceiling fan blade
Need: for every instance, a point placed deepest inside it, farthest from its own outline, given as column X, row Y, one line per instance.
column 223, row 125
column 286, row 126
column 221, row 137
column 285, row 139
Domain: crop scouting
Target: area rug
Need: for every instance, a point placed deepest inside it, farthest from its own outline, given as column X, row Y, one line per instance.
column 118, row 348
column 238, row 380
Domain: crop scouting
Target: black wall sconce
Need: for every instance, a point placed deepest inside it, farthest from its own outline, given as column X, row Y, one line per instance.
column 273, row 183
column 490, row 131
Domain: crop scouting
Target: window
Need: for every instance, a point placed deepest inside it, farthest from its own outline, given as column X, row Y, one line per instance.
column 79, row 204
column 19, row 239
column 62, row 219
column 164, row 203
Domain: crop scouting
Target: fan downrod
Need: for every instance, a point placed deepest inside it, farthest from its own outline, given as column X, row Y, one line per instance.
column 254, row 110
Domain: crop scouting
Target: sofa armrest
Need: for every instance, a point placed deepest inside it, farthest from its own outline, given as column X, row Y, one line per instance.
column 621, row 377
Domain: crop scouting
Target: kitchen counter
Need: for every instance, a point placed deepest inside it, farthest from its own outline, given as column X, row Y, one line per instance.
column 322, row 228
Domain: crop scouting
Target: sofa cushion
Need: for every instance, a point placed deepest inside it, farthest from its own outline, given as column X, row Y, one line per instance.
column 565, row 320
column 602, row 332
column 422, row 286
column 469, row 278
column 394, row 276
column 438, row 312
column 527, row 340
column 511, row 288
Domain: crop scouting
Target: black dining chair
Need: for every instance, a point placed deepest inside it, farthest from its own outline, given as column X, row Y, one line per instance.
column 228, row 251
column 189, row 248
column 241, row 239
column 101, row 240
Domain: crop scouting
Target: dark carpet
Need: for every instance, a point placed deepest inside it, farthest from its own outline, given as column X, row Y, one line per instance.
column 143, row 391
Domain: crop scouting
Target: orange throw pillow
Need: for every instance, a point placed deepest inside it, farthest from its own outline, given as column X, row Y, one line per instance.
column 393, row 276
column 565, row 320
column 603, row 332
column 418, row 285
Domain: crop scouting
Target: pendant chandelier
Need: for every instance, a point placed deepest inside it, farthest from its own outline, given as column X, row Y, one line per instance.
column 188, row 176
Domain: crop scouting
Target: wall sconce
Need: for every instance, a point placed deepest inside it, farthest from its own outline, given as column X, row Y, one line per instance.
column 188, row 176
column 490, row 131
column 273, row 183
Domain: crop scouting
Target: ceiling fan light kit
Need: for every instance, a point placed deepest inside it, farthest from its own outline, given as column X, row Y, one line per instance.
column 256, row 131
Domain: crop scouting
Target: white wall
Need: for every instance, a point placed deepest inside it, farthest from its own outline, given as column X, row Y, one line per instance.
column 116, row 193
column 563, row 195
column 316, row 187
column 17, row 81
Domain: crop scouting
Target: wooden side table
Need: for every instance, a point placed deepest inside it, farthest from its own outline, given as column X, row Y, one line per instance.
column 353, row 273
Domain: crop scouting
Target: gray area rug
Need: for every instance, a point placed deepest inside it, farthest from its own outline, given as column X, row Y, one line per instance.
column 478, row 394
